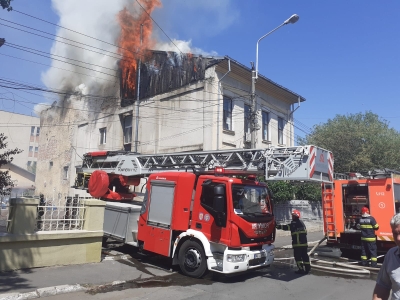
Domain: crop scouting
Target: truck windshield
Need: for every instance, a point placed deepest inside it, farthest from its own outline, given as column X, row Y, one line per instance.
column 250, row 200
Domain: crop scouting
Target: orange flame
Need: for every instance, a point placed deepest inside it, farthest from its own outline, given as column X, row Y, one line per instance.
column 131, row 46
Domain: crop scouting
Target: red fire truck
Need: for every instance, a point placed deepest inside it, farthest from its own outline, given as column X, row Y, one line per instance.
column 205, row 210
column 342, row 203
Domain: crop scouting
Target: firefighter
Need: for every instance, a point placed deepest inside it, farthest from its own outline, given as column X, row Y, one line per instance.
column 368, row 225
column 299, row 242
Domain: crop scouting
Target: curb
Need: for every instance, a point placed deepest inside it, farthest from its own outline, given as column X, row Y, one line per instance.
column 44, row 292
column 64, row 289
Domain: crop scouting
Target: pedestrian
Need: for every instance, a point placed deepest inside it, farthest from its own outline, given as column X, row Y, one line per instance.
column 299, row 242
column 389, row 275
column 368, row 226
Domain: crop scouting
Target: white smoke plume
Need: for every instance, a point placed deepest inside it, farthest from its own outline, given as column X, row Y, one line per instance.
column 96, row 19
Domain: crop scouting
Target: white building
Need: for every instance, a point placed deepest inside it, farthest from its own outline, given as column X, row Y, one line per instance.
column 22, row 132
column 186, row 104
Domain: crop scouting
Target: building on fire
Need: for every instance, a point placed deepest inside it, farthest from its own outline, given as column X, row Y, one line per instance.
column 185, row 103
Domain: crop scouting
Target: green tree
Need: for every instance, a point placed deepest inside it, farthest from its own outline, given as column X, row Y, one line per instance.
column 308, row 191
column 359, row 142
column 6, row 157
column 281, row 190
column 6, row 4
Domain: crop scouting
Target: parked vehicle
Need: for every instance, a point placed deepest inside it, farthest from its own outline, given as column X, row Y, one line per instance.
column 205, row 210
column 342, row 203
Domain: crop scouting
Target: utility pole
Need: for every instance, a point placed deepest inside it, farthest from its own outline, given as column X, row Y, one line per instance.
column 253, row 109
column 254, row 75
column 138, row 95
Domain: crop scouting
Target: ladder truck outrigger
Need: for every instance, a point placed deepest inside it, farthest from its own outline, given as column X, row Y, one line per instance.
column 205, row 210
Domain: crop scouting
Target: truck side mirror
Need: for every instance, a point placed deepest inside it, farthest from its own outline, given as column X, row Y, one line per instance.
column 219, row 198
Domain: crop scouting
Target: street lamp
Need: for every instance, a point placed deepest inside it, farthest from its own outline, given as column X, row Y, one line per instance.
column 254, row 76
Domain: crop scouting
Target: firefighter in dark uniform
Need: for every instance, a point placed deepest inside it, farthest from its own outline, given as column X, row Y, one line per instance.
column 299, row 242
column 368, row 226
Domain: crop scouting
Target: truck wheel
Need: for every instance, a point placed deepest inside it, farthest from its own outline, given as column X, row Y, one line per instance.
column 192, row 259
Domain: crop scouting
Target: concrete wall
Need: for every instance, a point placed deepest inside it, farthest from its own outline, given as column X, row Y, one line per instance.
column 22, row 247
column 18, row 133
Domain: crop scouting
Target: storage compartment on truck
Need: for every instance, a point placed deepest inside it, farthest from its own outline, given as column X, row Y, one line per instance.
column 121, row 221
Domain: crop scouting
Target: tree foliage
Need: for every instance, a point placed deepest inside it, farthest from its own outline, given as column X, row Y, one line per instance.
column 281, row 190
column 286, row 191
column 308, row 191
column 6, row 157
column 359, row 142
column 6, row 4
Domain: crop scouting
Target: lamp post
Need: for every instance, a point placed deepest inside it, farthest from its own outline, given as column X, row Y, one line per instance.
column 254, row 76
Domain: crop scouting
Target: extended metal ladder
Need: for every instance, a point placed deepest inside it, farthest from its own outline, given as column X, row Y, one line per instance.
column 329, row 214
column 283, row 163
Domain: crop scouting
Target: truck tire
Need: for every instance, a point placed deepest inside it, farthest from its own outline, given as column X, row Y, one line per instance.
column 192, row 259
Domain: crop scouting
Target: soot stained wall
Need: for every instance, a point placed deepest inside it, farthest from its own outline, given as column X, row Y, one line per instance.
column 163, row 72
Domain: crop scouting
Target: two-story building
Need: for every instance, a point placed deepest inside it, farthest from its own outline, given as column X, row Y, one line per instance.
column 178, row 102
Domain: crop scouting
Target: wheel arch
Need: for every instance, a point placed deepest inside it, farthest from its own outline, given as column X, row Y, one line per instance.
column 188, row 235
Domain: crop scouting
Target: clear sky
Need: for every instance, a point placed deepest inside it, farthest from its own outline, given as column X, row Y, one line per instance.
column 342, row 56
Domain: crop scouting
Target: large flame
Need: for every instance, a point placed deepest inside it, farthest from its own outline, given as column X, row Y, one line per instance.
column 131, row 46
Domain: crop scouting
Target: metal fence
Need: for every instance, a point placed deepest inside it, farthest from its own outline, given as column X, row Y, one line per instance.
column 60, row 213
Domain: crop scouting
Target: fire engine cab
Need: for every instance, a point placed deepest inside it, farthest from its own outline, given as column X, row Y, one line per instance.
column 204, row 210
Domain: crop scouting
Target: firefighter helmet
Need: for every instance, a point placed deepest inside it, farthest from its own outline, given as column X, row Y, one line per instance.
column 364, row 210
column 296, row 213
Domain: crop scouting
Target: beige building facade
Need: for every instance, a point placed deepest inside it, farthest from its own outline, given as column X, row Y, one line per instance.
column 210, row 111
column 22, row 132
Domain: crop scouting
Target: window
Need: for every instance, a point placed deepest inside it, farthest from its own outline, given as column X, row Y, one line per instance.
column 29, row 163
column 247, row 119
column 36, row 149
column 32, row 130
column 227, row 115
column 50, row 165
column 127, row 129
column 30, row 148
column 280, row 131
column 65, row 173
column 103, row 135
column 37, row 131
column 265, row 122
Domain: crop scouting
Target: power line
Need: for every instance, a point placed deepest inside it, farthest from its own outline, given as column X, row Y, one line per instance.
column 159, row 26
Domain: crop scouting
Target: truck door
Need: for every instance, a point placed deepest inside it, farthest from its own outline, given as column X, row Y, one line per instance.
column 212, row 217
column 156, row 233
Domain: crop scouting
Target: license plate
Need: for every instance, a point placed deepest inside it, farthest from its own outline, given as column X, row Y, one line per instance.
column 355, row 247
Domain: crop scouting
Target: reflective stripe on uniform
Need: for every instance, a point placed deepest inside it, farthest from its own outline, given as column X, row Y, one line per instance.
column 374, row 259
column 306, row 263
column 299, row 245
column 298, row 232
column 368, row 239
column 376, row 226
column 366, row 226
column 364, row 258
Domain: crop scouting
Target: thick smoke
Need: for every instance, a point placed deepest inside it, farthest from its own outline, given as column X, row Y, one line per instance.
column 97, row 19
column 94, row 18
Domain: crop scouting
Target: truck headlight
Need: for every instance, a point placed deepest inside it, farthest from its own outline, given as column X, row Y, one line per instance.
column 236, row 257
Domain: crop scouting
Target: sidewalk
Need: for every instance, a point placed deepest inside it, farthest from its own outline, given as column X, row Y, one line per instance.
column 114, row 268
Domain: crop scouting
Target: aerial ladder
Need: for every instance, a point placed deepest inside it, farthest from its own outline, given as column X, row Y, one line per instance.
column 110, row 174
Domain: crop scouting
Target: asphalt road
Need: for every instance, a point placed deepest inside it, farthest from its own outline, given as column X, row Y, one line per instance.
column 277, row 282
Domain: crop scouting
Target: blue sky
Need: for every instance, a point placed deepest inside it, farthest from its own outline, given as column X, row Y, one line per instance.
column 342, row 56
